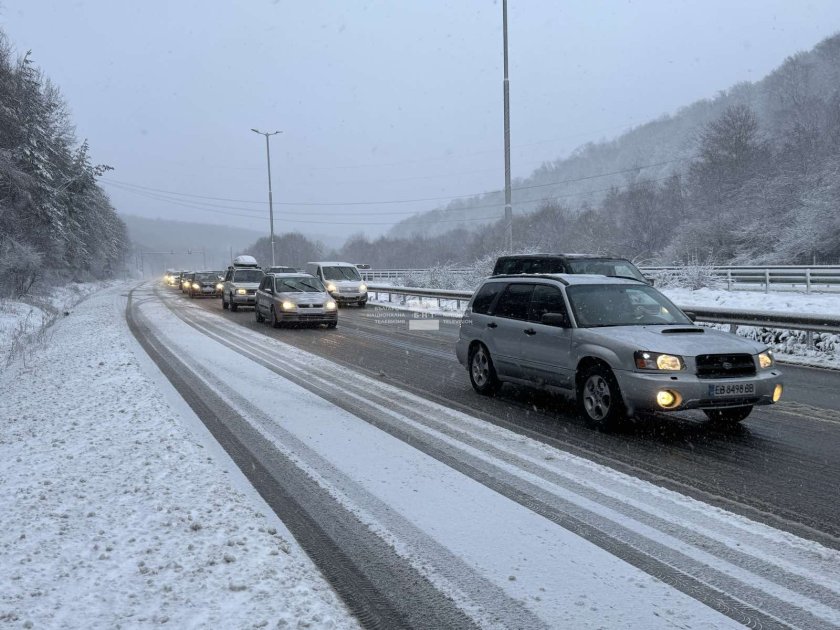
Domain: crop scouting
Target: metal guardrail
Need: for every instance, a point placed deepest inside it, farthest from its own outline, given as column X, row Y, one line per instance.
column 807, row 322
column 793, row 275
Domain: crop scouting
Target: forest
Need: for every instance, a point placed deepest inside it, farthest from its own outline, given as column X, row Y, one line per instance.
column 56, row 223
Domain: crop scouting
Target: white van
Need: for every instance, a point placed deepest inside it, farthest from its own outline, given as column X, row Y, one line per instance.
column 342, row 280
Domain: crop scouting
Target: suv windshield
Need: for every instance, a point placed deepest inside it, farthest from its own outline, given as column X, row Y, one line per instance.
column 341, row 273
column 247, row 275
column 206, row 277
column 307, row 285
column 596, row 305
column 614, row 267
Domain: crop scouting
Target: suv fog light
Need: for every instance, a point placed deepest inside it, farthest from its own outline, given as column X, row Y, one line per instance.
column 777, row 392
column 667, row 399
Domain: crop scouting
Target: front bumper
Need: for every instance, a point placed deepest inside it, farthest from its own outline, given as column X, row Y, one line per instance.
column 348, row 298
column 639, row 390
column 247, row 300
column 326, row 317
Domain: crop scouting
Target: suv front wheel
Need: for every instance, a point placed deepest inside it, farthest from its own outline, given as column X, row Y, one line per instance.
column 599, row 398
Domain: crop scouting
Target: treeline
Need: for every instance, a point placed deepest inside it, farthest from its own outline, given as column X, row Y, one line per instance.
column 56, row 223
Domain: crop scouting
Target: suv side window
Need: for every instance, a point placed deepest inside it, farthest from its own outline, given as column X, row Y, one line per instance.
column 545, row 299
column 515, row 301
column 486, row 295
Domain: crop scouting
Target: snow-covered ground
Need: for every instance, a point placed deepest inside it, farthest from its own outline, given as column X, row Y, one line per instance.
column 24, row 322
column 790, row 347
column 119, row 509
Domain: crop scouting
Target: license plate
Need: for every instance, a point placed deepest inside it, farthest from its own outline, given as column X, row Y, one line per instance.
column 732, row 389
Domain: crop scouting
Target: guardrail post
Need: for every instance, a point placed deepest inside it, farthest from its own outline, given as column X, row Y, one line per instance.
column 733, row 328
column 767, row 281
column 728, row 279
column 809, row 339
column 438, row 301
column 807, row 281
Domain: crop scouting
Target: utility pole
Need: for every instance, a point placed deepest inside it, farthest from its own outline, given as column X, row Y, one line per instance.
column 270, row 201
column 506, row 83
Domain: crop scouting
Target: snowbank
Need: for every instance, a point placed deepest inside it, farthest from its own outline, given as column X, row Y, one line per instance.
column 114, row 513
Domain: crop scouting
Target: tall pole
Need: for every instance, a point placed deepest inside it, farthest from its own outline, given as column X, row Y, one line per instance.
column 508, row 208
column 270, row 200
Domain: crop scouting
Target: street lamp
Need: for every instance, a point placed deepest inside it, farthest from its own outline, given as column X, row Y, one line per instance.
column 270, row 201
column 508, row 209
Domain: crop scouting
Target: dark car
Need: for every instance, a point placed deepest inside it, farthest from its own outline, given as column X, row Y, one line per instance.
column 568, row 263
column 186, row 281
column 204, row 284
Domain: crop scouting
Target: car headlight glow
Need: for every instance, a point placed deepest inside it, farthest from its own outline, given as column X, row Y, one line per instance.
column 195, row 285
column 658, row 361
column 241, row 292
column 220, row 286
column 363, row 288
column 668, row 399
column 777, row 392
column 288, row 306
column 330, row 306
column 765, row 359
column 331, row 287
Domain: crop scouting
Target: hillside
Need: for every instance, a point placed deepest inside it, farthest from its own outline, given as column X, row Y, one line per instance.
column 652, row 151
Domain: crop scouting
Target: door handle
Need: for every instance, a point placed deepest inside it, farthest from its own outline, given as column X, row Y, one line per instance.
column 492, row 325
column 530, row 331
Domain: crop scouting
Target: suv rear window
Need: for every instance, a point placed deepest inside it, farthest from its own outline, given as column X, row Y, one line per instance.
column 515, row 301
column 485, row 296
column 606, row 267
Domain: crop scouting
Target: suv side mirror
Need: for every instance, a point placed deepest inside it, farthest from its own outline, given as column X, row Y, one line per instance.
column 555, row 319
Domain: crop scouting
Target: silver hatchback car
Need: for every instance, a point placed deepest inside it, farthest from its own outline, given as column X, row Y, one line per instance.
column 618, row 346
column 294, row 298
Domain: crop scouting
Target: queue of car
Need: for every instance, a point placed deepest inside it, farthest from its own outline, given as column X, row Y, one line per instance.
column 590, row 327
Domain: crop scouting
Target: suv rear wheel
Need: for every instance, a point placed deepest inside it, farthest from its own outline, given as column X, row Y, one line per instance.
column 482, row 373
column 224, row 302
column 599, row 398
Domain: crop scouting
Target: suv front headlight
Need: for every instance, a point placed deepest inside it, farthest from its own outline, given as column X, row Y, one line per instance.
column 658, row 361
column 241, row 292
column 766, row 360
column 331, row 287
column 363, row 288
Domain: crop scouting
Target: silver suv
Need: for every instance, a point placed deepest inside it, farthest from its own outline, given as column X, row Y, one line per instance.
column 619, row 346
column 239, row 288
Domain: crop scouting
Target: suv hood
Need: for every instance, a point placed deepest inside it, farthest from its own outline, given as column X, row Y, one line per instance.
column 659, row 339
column 305, row 297
column 347, row 284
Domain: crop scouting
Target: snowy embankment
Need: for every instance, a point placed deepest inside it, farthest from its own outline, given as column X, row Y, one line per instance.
column 120, row 510
column 790, row 346
column 26, row 321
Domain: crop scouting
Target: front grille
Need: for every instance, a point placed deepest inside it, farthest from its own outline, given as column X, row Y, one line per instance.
column 251, row 291
column 725, row 365
column 310, row 305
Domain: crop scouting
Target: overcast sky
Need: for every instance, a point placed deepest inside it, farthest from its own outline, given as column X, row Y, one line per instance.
column 378, row 101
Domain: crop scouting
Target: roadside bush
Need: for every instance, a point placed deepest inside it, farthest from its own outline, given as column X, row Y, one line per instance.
column 694, row 275
column 20, row 268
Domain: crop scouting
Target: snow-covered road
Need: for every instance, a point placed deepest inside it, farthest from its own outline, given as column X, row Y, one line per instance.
column 469, row 505
column 121, row 509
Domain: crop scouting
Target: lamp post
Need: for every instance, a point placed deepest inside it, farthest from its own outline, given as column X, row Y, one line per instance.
column 270, row 200
column 508, row 208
